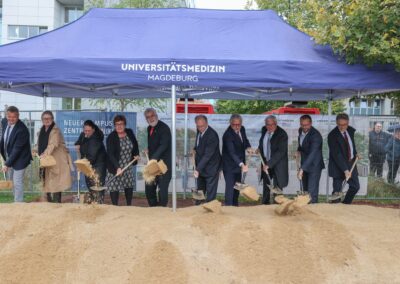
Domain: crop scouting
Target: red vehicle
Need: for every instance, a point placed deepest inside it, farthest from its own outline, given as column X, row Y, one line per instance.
column 294, row 110
column 195, row 107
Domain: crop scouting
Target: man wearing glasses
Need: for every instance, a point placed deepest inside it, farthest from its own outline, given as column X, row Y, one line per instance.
column 159, row 148
column 235, row 144
column 273, row 146
column 342, row 155
column 15, row 148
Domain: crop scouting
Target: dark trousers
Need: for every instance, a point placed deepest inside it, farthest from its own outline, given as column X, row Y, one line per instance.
column 266, row 182
column 376, row 162
column 128, row 196
column 151, row 190
column 393, row 168
column 209, row 186
column 311, row 184
column 54, row 197
column 231, row 194
column 354, row 186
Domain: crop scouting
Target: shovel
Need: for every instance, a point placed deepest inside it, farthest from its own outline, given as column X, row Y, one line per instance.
column 196, row 193
column 241, row 185
column 344, row 182
column 273, row 189
column 5, row 184
column 100, row 188
column 301, row 192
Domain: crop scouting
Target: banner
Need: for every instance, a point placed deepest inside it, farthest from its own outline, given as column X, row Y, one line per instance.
column 71, row 125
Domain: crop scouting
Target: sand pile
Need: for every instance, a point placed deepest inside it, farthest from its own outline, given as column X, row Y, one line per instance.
column 72, row 243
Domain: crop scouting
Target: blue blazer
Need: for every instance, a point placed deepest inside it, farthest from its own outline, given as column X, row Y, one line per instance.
column 234, row 150
column 208, row 155
column 338, row 153
column 18, row 148
column 311, row 151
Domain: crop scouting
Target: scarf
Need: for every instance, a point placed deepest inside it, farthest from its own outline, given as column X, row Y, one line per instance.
column 43, row 140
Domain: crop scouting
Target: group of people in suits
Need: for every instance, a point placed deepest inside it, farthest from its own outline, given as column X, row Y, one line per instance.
column 122, row 147
column 273, row 150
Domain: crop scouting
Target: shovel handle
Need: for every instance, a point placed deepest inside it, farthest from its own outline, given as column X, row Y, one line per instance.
column 2, row 163
column 193, row 158
column 352, row 168
column 147, row 156
column 128, row 165
column 243, row 177
column 262, row 160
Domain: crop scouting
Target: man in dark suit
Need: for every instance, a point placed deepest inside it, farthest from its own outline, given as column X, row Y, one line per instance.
column 15, row 148
column 234, row 146
column 207, row 158
column 273, row 146
column 376, row 149
column 310, row 151
column 159, row 148
column 342, row 154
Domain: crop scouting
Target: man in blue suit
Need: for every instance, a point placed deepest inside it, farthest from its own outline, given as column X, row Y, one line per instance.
column 234, row 146
column 310, row 151
column 342, row 155
column 15, row 148
column 207, row 158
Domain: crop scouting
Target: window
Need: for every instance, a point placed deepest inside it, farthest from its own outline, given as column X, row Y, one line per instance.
column 21, row 32
column 67, row 103
column 365, row 107
column 72, row 14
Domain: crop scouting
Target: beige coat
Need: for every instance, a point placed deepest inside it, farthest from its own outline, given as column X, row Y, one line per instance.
column 58, row 178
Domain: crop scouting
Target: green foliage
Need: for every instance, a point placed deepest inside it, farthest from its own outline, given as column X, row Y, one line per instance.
column 360, row 31
column 246, row 107
column 337, row 106
column 124, row 104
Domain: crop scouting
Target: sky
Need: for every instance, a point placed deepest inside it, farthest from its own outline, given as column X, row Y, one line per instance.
column 221, row 4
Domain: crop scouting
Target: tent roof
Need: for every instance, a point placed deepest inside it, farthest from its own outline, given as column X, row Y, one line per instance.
column 206, row 53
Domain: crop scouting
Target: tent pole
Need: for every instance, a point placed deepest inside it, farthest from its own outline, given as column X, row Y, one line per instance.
column 173, row 164
column 185, row 150
column 44, row 102
column 329, row 129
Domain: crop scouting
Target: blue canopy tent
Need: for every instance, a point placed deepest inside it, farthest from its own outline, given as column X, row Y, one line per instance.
column 160, row 53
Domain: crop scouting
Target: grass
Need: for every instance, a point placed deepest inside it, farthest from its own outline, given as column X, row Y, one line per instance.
column 7, row 197
column 379, row 193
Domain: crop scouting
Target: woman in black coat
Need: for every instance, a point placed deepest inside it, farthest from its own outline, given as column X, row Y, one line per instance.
column 122, row 148
column 91, row 147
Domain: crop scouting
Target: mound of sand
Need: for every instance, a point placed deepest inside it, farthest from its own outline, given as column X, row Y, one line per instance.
column 70, row 243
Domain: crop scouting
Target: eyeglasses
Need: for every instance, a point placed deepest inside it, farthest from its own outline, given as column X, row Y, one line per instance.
column 236, row 124
column 150, row 116
column 119, row 124
column 47, row 118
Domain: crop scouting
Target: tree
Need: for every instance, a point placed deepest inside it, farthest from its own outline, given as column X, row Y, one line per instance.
column 358, row 31
column 123, row 104
column 337, row 106
column 246, row 107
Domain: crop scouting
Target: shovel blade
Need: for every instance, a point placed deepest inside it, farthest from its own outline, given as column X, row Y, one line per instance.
column 98, row 188
column 198, row 194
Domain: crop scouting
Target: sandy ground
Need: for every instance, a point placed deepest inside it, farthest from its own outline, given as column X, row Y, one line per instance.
column 71, row 243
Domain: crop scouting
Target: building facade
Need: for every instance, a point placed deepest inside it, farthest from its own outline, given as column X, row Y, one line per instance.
column 22, row 19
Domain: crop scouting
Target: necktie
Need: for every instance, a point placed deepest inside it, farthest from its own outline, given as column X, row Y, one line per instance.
column 151, row 131
column 240, row 136
column 347, row 145
column 7, row 137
